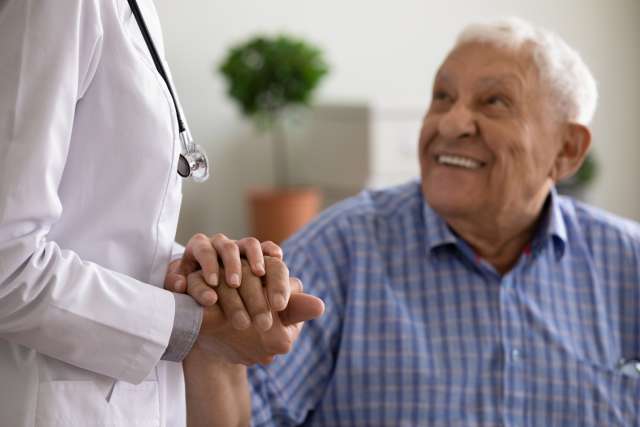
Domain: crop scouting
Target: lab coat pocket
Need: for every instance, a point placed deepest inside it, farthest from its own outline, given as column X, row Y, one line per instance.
column 83, row 404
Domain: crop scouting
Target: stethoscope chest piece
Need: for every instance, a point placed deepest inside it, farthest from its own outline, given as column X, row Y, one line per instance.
column 194, row 164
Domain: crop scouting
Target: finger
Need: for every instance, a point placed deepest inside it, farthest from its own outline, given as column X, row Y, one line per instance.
column 200, row 290
column 296, row 285
column 280, row 338
column 232, row 306
column 230, row 254
column 277, row 283
column 271, row 249
column 255, row 301
column 207, row 257
column 174, row 266
column 175, row 282
column 252, row 250
column 302, row 307
column 188, row 263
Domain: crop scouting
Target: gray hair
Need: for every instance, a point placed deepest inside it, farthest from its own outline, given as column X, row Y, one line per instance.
column 560, row 66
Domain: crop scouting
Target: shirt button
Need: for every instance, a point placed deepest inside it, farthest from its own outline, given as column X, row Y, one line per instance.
column 515, row 355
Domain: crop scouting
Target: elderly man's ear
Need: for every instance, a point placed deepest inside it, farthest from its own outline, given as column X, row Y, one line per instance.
column 576, row 140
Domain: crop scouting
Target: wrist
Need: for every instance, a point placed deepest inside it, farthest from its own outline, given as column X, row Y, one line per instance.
column 201, row 366
column 202, row 354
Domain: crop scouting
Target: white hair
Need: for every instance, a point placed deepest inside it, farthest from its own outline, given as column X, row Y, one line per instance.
column 560, row 66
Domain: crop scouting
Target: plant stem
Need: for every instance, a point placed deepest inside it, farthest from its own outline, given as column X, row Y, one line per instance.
column 279, row 153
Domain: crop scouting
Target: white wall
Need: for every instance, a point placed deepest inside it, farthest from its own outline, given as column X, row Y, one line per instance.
column 385, row 50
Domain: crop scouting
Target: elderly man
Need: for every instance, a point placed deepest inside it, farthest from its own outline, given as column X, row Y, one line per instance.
column 479, row 296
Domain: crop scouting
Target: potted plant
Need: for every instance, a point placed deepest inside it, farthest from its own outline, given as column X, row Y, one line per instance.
column 267, row 77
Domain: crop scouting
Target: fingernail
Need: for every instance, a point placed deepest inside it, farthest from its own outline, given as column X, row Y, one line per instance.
column 234, row 279
column 179, row 285
column 240, row 320
column 210, row 297
column 263, row 321
column 278, row 302
column 259, row 268
column 213, row 279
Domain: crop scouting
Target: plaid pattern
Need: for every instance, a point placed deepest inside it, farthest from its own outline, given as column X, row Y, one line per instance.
column 419, row 331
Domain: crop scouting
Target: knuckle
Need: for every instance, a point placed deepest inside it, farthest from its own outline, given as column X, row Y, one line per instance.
column 219, row 236
column 266, row 360
column 272, row 263
column 199, row 237
column 252, row 241
column 229, row 246
column 284, row 347
column 271, row 247
column 279, row 346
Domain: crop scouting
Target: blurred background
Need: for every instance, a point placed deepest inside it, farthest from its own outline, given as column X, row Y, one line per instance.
column 382, row 58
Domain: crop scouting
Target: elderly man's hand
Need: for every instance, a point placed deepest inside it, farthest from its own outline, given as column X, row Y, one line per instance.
column 216, row 384
column 220, row 339
column 252, row 302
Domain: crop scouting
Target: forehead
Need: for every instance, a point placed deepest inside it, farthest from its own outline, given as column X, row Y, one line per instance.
column 483, row 64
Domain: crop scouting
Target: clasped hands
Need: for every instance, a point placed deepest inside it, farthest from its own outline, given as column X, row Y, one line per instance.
column 253, row 310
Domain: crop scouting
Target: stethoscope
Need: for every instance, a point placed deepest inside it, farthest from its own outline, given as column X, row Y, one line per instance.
column 193, row 160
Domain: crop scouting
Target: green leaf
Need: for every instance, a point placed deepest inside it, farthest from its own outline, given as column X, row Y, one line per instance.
column 265, row 75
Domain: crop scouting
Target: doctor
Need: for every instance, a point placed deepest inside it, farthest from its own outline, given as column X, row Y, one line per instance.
column 90, row 142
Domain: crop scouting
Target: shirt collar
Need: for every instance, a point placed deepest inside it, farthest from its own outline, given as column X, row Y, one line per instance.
column 437, row 232
column 552, row 226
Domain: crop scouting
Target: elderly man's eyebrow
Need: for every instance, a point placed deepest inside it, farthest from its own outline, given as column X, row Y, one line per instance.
column 442, row 77
column 509, row 81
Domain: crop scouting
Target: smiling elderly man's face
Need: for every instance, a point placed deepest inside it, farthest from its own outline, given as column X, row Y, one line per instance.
column 490, row 136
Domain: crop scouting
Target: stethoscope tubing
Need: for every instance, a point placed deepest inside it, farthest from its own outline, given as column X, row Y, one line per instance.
column 193, row 160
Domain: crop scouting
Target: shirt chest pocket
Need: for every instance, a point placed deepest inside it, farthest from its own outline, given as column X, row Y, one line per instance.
column 610, row 394
column 83, row 404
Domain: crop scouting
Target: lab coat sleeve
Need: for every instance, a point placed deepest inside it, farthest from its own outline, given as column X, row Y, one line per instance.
column 51, row 300
column 176, row 251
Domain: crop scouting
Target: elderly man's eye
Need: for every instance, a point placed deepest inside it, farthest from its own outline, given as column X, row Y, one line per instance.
column 441, row 95
column 497, row 101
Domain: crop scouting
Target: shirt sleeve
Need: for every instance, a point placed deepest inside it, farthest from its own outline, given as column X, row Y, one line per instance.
column 286, row 391
column 51, row 300
column 186, row 322
column 186, row 327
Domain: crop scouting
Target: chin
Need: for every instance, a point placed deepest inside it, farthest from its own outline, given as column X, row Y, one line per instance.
column 448, row 203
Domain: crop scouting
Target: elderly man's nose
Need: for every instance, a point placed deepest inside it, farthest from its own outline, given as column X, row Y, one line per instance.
column 458, row 122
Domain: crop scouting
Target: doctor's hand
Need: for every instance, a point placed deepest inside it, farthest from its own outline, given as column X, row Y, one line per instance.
column 221, row 341
column 203, row 253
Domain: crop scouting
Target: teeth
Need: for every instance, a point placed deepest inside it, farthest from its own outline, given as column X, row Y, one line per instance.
column 463, row 162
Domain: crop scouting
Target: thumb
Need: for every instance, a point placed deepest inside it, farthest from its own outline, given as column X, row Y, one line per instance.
column 301, row 307
column 175, row 282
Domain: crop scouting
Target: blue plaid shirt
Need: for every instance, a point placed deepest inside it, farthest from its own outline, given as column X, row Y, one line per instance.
column 419, row 331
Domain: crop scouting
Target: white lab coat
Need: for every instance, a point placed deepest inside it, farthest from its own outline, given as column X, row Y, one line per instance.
column 89, row 200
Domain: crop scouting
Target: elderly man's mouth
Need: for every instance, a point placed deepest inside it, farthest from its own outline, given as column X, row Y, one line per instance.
column 458, row 161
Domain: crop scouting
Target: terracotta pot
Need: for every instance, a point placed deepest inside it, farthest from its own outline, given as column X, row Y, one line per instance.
column 276, row 214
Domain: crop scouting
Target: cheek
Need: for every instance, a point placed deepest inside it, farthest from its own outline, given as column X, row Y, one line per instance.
column 510, row 145
column 427, row 134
